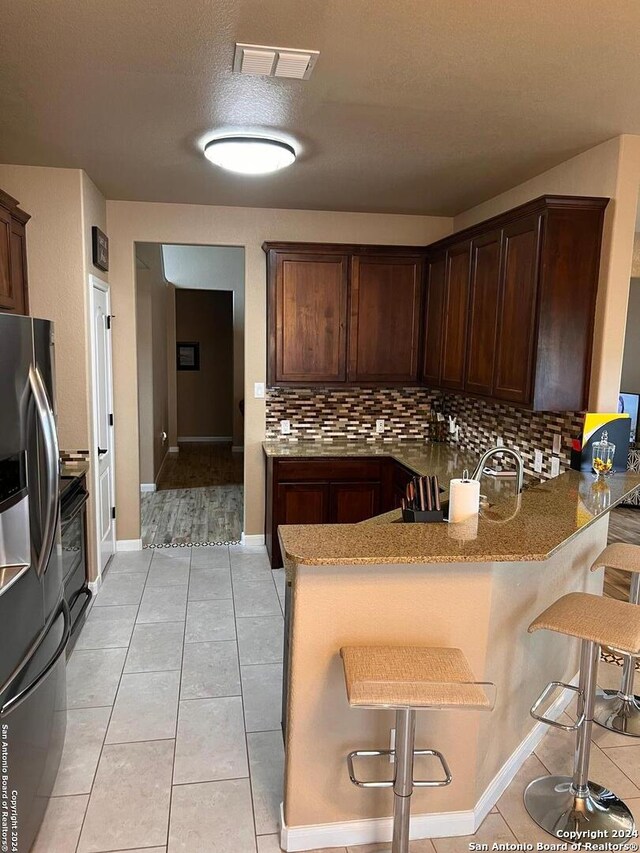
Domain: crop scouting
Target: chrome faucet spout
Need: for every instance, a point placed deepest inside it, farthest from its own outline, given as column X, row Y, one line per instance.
column 493, row 451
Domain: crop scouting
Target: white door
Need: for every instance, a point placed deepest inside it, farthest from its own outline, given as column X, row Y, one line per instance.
column 102, row 452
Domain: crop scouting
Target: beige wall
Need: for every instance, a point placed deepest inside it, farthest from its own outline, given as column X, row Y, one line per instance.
column 206, row 225
column 64, row 204
column 631, row 364
column 56, row 263
column 613, row 170
column 205, row 396
column 153, row 298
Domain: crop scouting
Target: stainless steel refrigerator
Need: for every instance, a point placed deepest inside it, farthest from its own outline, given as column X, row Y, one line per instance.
column 34, row 617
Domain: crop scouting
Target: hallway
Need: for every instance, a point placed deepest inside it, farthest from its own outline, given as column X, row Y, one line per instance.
column 199, row 498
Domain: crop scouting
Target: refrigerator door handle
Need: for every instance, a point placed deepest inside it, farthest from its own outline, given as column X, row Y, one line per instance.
column 23, row 695
column 52, row 462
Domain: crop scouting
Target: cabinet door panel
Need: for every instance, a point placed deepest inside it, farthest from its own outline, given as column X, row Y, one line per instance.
column 7, row 299
column 310, row 318
column 384, row 331
column 302, row 503
column 517, row 310
column 483, row 310
column 351, row 503
column 454, row 342
column 434, row 320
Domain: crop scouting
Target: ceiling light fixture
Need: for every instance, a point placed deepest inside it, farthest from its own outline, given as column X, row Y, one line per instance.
column 250, row 155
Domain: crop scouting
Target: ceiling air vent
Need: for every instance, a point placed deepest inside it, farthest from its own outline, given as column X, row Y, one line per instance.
column 274, row 61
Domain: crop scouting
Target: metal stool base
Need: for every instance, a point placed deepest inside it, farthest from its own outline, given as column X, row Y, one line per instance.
column 554, row 806
column 616, row 713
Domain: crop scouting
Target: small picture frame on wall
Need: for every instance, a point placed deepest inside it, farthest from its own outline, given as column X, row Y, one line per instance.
column 100, row 243
column 188, row 355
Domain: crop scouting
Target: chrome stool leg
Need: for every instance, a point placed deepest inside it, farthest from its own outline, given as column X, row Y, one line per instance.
column 563, row 804
column 619, row 710
column 403, row 784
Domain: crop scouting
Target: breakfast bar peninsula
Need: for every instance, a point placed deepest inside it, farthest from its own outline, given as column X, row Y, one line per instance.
column 475, row 587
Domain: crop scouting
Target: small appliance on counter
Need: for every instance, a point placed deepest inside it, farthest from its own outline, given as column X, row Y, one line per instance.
column 617, row 427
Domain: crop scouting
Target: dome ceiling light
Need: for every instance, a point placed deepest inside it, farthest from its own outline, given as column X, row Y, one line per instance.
column 250, row 155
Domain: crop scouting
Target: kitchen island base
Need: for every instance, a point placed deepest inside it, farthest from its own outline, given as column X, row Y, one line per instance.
column 483, row 608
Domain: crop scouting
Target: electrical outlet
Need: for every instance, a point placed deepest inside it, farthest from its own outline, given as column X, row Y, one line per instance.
column 285, row 427
column 392, row 745
column 499, row 441
column 258, row 390
column 557, row 444
column 555, row 466
column 537, row 463
column 380, row 425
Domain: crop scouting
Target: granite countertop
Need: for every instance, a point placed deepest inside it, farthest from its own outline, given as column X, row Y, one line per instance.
column 74, row 469
column 510, row 529
column 422, row 457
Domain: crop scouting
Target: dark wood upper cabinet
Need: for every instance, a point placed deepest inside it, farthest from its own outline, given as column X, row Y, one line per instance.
column 384, row 329
column 14, row 295
column 434, row 317
column 341, row 314
column 308, row 301
column 517, row 310
column 454, row 333
column 531, row 307
column 483, row 310
column 507, row 314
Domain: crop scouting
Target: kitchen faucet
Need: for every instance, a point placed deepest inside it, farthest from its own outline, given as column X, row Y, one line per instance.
column 477, row 474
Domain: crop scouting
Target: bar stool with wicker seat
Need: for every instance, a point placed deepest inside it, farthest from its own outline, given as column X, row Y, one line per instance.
column 563, row 804
column 619, row 710
column 408, row 679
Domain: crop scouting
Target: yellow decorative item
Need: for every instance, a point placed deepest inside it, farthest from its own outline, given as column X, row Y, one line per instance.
column 602, row 456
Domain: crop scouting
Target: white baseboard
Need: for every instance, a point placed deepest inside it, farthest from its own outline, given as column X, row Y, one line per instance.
column 237, row 448
column 174, row 450
column 252, row 538
column 207, row 438
column 147, row 487
column 439, row 825
column 129, row 545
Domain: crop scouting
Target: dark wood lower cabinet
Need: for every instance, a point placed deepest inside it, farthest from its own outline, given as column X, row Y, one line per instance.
column 350, row 503
column 328, row 491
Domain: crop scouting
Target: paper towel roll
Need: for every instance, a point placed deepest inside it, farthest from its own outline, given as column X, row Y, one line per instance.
column 464, row 499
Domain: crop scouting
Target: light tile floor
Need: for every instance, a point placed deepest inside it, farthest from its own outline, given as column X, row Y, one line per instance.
column 173, row 738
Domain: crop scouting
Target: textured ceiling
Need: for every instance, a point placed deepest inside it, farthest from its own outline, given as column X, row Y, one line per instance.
column 414, row 106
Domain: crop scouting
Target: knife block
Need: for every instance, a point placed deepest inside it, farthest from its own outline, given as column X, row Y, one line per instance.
column 423, row 516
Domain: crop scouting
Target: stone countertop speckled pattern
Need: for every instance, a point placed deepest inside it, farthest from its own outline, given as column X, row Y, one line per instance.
column 532, row 527
column 74, row 469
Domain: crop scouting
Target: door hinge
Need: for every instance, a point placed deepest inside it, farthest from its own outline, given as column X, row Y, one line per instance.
column 111, row 419
column 108, row 319
column 113, row 512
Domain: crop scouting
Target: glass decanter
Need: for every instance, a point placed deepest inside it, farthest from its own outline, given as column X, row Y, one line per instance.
column 602, row 456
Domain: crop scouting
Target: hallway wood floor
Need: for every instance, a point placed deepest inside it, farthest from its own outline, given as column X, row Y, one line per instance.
column 199, row 497
column 200, row 465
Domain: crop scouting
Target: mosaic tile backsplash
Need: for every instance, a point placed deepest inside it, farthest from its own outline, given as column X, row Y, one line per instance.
column 323, row 414
column 326, row 414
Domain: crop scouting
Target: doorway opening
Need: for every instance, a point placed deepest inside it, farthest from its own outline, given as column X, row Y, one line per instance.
column 190, row 347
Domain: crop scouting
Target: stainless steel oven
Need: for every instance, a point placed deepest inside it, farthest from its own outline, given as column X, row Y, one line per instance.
column 73, row 522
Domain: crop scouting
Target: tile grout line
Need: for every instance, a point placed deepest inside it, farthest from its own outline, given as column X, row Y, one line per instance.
column 175, row 742
column 124, row 663
column 244, row 719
